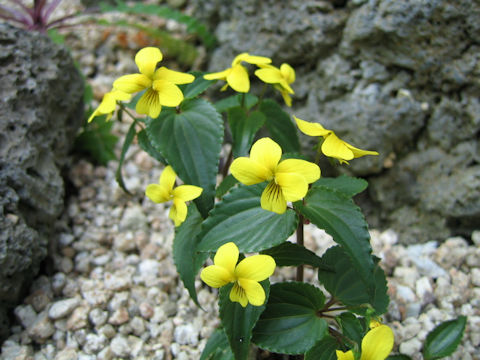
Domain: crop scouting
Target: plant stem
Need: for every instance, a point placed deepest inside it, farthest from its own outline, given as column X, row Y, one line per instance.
column 226, row 166
column 299, row 276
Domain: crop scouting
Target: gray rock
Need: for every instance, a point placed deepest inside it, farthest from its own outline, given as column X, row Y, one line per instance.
column 40, row 112
column 397, row 76
column 119, row 346
column 41, row 329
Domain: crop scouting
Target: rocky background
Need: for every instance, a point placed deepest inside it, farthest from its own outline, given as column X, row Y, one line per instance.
column 401, row 77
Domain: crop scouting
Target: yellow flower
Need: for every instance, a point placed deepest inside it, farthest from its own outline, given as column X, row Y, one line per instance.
column 160, row 84
column 237, row 76
column 376, row 345
column 288, row 179
column 281, row 78
column 109, row 103
column 164, row 192
column 332, row 146
column 245, row 276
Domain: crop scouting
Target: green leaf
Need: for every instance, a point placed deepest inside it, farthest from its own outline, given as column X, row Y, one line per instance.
column 289, row 254
column 290, row 324
column 323, row 350
column 280, row 126
column 126, row 145
column 191, row 142
column 239, row 321
column 97, row 141
column 444, row 339
column 187, row 260
column 146, row 146
column 217, row 347
column 225, row 185
column 193, row 25
column 399, row 357
column 347, row 185
column 240, row 218
column 345, row 282
column 337, row 214
column 351, row 327
column 235, row 101
column 198, row 86
column 243, row 128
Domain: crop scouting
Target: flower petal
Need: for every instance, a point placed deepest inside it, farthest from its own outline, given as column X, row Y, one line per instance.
column 216, row 276
column 336, row 148
column 377, row 344
column 175, row 77
column 288, row 73
column 249, row 172
column 227, row 257
column 311, row 129
column 187, row 192
column 132, row 83
column 254, row 291
column 345, row 355
column 237, row 294
column 238, row 79
column 269, row 75
column 157, row 193
column 94, row 114
column 256, row 267
column 168, row 177
column 309, row 170
column 294, row 186
column 149, row 104
column 147, row 59
column 221, row 75
column 359, row 152
column 251, row 59
column 286, row 97
column 169, row 93
column 266, row 152
column 272, row 198
column 178, row 211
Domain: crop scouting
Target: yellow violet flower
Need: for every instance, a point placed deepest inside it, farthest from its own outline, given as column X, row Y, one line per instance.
column 237, row 76
column 332, row 146
column 109, row 103
column 281, row 78
column 376, row 345
column 165, row 191
column 288, row 179
column 245, row 276
column 160, row 84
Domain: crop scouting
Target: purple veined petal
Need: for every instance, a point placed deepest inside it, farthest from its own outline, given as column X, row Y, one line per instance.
column 15, row 15
column 50, row 8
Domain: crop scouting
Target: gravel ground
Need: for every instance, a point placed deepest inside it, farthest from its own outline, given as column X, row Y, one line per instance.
column 112, row 291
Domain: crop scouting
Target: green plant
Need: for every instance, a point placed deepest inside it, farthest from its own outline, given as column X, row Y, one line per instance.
column 271, row 192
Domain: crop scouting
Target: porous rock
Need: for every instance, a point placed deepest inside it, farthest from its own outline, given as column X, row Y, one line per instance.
column 40, row 112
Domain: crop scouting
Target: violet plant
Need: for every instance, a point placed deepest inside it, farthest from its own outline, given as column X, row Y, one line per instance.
column 252, row 201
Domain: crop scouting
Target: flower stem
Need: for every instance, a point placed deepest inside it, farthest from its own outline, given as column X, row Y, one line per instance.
column 299, row 276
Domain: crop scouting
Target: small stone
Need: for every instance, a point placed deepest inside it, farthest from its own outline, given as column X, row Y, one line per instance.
column 105, row 354
column 186, row 335
column 41, row 329
column 63, row 308
column 94, row 343
column 26, row 315
column 67, row 354
column 424, row 290
column 120, row 316
column 411, row 347
column 39, row 299
column 124, row 242
column 119, row 346
column 65, row 239
column 58, row 282
column 405, row 294
column 135, row 344
column 475, row 275
column 476, row 237
column 146, row 310
column 98, row 317
column 78, row 319
column 11, row 350
column 133, row 219
column 138, row 326
column 117, row 283
column 107, row 330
